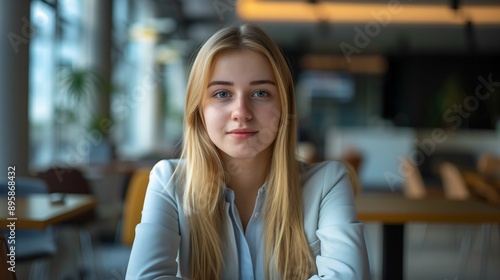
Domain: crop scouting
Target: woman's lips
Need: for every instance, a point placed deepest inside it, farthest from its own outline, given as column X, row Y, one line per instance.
column 242, row 133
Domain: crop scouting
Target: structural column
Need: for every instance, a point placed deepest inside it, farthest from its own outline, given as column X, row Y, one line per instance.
column 98, row 28
column 15, row 34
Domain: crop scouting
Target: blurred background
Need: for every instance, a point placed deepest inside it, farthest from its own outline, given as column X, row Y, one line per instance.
column 99, row 87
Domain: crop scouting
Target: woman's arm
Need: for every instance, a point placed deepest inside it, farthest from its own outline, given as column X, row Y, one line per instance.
column 157, row 237
column 343, row 253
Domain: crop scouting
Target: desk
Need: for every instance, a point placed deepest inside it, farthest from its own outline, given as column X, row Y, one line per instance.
column 36, row 211
column 394, row 210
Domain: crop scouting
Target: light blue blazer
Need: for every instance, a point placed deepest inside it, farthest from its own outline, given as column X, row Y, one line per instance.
column 336, row 238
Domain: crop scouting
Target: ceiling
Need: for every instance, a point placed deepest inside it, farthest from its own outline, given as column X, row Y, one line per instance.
column 197, row 19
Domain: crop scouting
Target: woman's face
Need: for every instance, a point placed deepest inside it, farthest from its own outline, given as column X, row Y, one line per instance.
column 241, row 105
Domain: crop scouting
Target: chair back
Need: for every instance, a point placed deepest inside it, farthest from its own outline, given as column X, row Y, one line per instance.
column 69, row 180
column 489, row 165
column 414, row 186
column 134, row 202
column 65, row 180
column 454, row 184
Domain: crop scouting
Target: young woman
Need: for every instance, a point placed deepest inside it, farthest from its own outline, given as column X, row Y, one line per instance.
column 238, row 204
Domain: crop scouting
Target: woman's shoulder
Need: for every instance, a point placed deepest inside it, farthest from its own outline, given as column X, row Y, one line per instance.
column 166, row 167
column 324, row 168
column 324, row 175
column 167, row 173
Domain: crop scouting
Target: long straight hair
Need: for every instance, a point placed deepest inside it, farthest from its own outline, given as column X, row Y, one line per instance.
column 287, row 254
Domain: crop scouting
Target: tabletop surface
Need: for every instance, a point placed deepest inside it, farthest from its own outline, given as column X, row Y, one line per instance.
column 37, row 211
column 395, row 208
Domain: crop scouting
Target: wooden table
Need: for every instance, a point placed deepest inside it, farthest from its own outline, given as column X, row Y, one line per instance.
column 37, row 211
column 394, row 211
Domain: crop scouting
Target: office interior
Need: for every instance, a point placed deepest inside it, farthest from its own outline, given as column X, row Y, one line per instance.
column 98, row 86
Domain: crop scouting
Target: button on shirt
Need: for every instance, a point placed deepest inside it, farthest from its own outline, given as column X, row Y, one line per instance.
column 161, row 248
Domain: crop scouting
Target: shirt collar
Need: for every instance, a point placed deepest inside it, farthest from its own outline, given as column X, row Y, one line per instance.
column 229, row 193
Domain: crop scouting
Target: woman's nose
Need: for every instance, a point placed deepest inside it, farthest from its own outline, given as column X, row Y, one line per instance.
column 241, row 110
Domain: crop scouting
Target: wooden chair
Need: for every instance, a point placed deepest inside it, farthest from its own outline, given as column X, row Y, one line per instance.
column 413, row 186
column 131, row 216
column 134, row 202
column 489, row 165
column 462, row 183
column 68, row 180
column 454, row 184
column 72, row 180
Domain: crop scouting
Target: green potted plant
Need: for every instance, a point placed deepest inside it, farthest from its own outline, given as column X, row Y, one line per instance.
column 78, row 121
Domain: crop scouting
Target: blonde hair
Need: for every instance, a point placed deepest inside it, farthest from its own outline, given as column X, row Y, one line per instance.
column 287, row 254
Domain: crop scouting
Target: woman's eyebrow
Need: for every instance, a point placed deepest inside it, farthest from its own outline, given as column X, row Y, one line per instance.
column 260, row 82
column 224, row 83
column 252, row 83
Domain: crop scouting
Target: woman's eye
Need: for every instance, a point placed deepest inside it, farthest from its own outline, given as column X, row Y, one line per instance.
column 261, row 93
column 221, row 94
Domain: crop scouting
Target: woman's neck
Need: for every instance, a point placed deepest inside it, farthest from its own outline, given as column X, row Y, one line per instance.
column 246, row 176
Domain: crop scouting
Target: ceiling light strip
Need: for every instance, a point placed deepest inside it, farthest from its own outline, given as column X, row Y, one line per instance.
column 392, row 12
